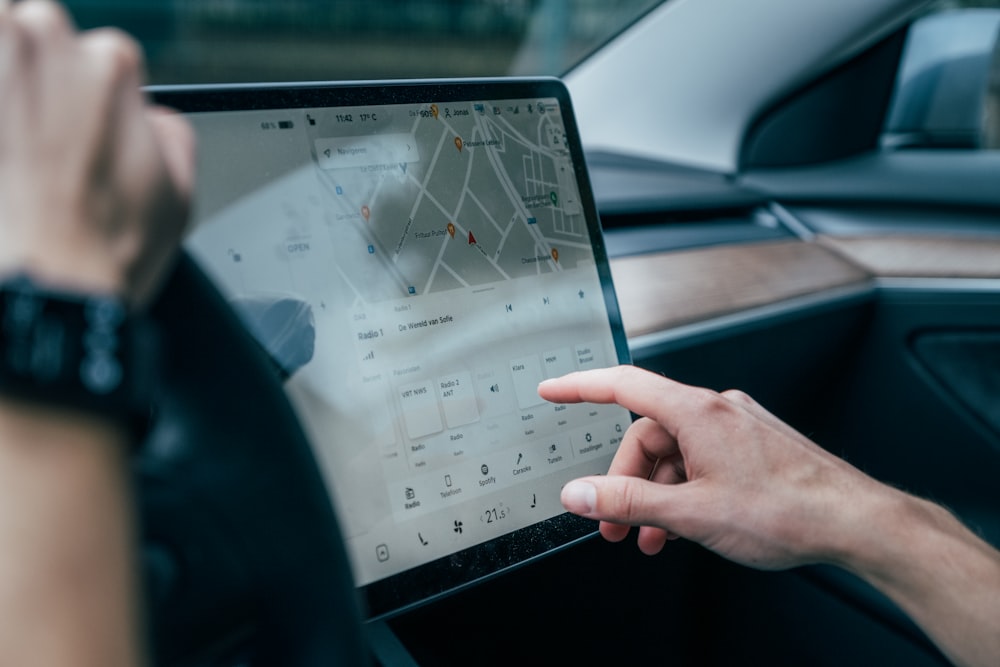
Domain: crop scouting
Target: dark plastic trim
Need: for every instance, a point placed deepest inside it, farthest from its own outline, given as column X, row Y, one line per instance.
column 835, row 116
column 961, row 179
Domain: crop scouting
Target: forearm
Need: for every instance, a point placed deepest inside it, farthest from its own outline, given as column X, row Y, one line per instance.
column 942, row 575
column 68, row 594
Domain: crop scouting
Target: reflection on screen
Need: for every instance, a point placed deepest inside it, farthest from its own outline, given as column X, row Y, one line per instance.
column 416, row 271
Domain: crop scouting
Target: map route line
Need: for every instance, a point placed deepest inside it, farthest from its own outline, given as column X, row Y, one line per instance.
column 501, row 173
column 511, row 191
column 424, row 192
column 468, row 176
column 533, row 178
column 343, row 276
column 569, row 244
column 507, row 129
column 437, row 263
column 376, row 191
column 455, row 275
column 506, row 234
column 536, row 184
column 366, row 234
column 486, row 213
column 541, row 127
column 505, row 178
column 440, row 207
column 448, row 126
column 434, row 269
column 528, row 163
column 423, row 186
column 486, row 255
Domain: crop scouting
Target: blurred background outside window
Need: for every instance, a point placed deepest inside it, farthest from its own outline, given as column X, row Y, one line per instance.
column 947, row 92
column 212, row 41
column 948, row 85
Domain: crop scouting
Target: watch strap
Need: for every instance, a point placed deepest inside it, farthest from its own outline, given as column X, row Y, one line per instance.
column 75, row 350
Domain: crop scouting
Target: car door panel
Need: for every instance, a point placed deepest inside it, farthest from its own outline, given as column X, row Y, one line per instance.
column 965, row 368
column 872, row 327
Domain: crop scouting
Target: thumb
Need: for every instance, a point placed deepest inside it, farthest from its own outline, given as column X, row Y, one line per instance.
column 628, row 501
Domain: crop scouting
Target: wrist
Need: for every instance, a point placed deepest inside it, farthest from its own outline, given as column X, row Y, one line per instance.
column 893, row 535
column 75, row 350
column 873, row 525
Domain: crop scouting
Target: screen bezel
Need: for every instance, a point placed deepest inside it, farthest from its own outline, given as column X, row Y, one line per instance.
column 424, row 583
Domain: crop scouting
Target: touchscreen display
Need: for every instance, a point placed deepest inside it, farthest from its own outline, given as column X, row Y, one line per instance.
column 414, row 270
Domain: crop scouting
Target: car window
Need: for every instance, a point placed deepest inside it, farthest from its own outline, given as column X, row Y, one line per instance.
column 948, row 86
column 212, row 41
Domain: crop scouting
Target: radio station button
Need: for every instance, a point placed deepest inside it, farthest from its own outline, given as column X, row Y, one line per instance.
column 459, row 399
column 527, row 373
column 558, row 362
column 420, row 409
column 588, row 356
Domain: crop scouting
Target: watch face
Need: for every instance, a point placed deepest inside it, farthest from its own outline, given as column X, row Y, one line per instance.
column 71, row 350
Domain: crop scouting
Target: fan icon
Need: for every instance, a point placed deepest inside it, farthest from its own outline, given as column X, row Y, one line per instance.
column 458, row 527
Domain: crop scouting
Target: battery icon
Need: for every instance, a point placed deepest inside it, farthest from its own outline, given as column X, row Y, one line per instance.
column 285, row 124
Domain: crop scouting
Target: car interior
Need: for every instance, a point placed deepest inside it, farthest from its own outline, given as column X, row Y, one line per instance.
column 797, row 200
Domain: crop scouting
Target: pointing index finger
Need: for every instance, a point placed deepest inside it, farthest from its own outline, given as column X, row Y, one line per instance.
column 638, row 390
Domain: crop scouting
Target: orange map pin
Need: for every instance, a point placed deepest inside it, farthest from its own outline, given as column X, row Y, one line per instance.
column 555, row 254
column 366, row 212
column 434, row 110
column 451, row 229
column 458, row 144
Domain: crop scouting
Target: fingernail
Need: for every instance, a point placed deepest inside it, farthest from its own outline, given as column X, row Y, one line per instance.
column 579, row 497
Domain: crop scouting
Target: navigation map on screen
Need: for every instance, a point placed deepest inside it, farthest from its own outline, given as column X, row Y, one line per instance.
column 415, row 270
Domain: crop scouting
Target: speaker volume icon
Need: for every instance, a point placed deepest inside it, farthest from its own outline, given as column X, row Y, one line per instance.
column 495, row 388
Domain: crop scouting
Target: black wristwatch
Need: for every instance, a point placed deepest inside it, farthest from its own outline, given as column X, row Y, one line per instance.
column 79, row 351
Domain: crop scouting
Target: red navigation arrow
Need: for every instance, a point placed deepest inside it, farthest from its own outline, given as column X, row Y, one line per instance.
column 472, row 239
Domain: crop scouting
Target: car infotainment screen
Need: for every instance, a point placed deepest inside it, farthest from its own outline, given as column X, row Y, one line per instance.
column 416, row 258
